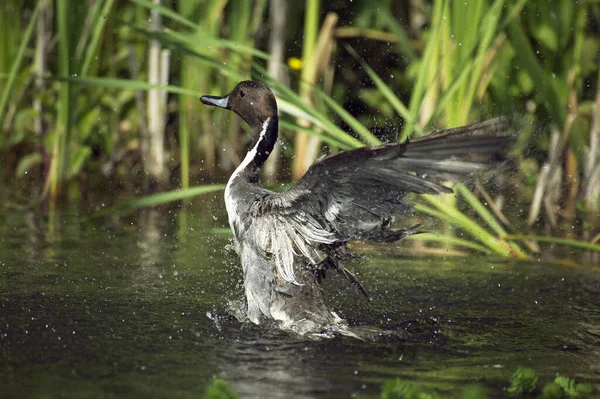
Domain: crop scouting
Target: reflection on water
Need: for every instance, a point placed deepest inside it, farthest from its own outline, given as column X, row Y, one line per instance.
column 118, row 307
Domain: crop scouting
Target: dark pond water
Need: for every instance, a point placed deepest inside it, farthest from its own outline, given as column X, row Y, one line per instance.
column 120, row 307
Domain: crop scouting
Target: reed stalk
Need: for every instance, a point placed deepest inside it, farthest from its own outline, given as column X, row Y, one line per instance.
column 324, row 50
column 11, row 33
column 426, row 82
column 204, row 23
column 187, row 74
column 154, row 158
column 41, row 64
column 98, row 24
column 591, row 170
column 307, row 79
column 60, row 155
column 276, row 70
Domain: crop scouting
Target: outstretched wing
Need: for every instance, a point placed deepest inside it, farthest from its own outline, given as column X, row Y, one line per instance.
column 356, row 194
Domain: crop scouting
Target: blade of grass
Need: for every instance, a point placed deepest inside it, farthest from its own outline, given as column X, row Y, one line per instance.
column 360, row 129
column 216, row 42
column 351, row 32
column 432, row 237
column 60, row 155
column 14, row 70
column 167, row 12
column 449, row 95
column 320, row 121
column 127, row 84
column 555, row 240
column 91, row 18
column 423, row 81
column 489, row 25
column 160, row 199
column 291, row 103
column 461, row 220
column 487, row 216
column 385, row 90
column 98, row 29
column 336, row 133
column 324, row 137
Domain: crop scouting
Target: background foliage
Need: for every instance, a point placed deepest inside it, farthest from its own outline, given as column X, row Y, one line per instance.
column 102, row 95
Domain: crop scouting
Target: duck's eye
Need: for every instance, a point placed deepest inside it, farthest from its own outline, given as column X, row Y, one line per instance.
column 242, row 94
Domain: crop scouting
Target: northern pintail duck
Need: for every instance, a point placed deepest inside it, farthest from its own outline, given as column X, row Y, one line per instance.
column 288, row 240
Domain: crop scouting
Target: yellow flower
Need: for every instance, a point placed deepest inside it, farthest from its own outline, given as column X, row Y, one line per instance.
column 295, row 63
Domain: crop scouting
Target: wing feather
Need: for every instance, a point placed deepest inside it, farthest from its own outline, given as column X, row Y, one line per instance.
column 354, row 194
column 285, row 237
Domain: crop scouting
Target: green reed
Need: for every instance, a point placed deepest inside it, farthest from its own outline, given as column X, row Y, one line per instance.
column 12, row 59
column 474, row 58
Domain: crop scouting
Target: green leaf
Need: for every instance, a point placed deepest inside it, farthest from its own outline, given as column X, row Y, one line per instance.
column 401, row 389
column 87, row 122
column 552, row 391
column 571, row 388
column 22, row 125
column 547, row 36
column 77, row 160
column 220, row 389
column 522, row 381
column 28, row 162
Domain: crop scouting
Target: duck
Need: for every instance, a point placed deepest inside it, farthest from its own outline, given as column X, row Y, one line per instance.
column 287, row 241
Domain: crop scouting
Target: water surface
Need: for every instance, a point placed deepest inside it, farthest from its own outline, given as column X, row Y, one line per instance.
column 120, row 307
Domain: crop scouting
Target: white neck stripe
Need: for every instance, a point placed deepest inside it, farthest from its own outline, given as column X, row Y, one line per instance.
column 230, row 202
column 252, row 153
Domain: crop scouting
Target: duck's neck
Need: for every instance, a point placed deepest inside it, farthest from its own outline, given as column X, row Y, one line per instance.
column 264, row 138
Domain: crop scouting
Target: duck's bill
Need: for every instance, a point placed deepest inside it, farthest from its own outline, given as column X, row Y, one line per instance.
column 221, row 102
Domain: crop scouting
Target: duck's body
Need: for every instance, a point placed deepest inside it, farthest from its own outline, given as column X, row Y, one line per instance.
column 288, row 240
column 268, row 297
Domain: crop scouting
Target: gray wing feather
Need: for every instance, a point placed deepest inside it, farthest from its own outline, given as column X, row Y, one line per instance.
column 284, row 237
column 354, row 194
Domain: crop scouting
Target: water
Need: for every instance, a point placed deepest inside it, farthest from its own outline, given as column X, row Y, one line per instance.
column 120, row 307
